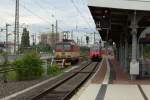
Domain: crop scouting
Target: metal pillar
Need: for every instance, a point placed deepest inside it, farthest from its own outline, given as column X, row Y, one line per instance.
column 53, row 36
column 94, row 38
column 16, row 32
column 126, row 55
column 7, row 37
column 142, row 51
column 138, row 49
column 120, row 54
column 123, row 56
column 134, row 64
column 117, row 51
column 57, row 34
column 134, row 46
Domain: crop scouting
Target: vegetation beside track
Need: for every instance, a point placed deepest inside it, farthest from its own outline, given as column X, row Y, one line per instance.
column 146, row 51
column 29, row 66
column 53, row 70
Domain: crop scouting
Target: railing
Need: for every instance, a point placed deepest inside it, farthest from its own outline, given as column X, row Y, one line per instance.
column 144, row 68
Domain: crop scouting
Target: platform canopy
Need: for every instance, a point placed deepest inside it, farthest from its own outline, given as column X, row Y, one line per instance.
column 113, row 18
column 122, row 4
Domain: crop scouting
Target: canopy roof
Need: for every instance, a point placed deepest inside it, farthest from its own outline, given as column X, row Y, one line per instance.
column 121, row 13
column 122, row 4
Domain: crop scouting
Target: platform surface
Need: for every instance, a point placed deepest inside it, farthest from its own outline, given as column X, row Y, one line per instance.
column 119, row 88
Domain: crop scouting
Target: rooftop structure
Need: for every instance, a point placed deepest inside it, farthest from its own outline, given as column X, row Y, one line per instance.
column 122, row 22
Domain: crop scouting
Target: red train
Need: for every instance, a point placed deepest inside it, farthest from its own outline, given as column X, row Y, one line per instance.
column 95, row 52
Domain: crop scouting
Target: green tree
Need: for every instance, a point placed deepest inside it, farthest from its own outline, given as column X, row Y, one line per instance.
column 41, row 47
column 25, row 42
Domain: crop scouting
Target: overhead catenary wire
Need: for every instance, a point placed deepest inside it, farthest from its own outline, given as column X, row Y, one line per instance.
column 55, row 15
column 36, row 15
column 47, row 21
column 79, row 12
column 44, row 9
column 40, row 6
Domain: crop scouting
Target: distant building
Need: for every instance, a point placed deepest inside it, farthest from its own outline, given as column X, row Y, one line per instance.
column 50, row 39
column 44, row 38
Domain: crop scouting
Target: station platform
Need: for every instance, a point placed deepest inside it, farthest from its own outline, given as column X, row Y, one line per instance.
column 111, row 82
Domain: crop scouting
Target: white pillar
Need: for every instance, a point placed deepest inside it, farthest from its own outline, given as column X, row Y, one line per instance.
column 134, row 64
column 134, row 46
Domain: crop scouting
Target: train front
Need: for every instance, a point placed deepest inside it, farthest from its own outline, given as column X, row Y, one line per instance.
column 95, row 53
column 65, row 53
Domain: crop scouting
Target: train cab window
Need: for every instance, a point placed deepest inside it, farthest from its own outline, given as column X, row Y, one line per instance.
column 67, row 47
column 95, row 49
column 59, row 46
column 63, row 47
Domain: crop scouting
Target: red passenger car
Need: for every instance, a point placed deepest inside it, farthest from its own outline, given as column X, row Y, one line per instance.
column 95, row 52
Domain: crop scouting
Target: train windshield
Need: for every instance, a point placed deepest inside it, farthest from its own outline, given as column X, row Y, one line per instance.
column 63, row 46
column 95, row 48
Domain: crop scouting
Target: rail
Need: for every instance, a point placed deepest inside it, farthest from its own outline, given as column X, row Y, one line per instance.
column 76, row 79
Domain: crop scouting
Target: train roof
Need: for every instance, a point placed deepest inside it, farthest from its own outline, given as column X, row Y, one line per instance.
column 72, row 42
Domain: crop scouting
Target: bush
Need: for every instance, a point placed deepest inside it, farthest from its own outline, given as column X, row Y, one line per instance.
column 5, row 57
column 11, row 75
column 53, row 70
column 29, row 66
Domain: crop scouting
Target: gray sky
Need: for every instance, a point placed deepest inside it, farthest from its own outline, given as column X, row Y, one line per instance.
column 37, row 15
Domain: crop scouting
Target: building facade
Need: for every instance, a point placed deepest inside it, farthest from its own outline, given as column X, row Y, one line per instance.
column 50, row 38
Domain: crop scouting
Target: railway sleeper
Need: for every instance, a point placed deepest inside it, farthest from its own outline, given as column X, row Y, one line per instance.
column 56, row 92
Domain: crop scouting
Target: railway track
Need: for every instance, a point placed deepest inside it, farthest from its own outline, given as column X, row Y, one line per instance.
column 64, row 89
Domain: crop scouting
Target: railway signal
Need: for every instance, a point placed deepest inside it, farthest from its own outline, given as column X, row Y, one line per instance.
column 104, row 21
column 87, row 39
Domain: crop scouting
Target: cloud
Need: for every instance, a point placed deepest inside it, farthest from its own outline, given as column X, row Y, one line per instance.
column 37, row 14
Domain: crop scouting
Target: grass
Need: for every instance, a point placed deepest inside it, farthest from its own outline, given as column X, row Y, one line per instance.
column 53, row 70
column 11, row 75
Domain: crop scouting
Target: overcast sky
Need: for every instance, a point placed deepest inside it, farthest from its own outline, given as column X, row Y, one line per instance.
column 38, row 15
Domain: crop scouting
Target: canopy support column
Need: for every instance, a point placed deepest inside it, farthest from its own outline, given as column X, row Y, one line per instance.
column 134, row 64
column 126, row 55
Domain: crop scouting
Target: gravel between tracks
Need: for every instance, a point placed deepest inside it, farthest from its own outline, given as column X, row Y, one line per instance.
column 13, row 87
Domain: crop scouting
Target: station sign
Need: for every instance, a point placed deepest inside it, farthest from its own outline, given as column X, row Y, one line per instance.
column 103, row 24
column 104, row 21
